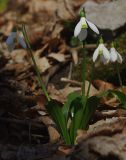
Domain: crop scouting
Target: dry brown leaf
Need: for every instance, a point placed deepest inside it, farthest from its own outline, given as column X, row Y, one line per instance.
column 19, row 56
column 17, row 67
column 56, row 31
column 61, row 95
column 65, row 149
column 57, row 56
column 49, row 6
column 41, row 101
column 102, row 85
column 111, row 102
column 47, row 120
column 43, row 63
column 74, row 56
column 53, row 134
column 106, row 138
column 93, row 91
column 65, row 10
column 42, row 113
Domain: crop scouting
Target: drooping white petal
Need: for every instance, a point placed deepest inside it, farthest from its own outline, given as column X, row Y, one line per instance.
column 83, row 23
column 92, row 26
column 119, row 58
column 105, row 61
column 11, row 38
column 77, row 29
column 82, row 35
column 113, row 55
column 13, row 34
column 96, row 53
column 106, row 53
column 22, row 42
column 10, row 41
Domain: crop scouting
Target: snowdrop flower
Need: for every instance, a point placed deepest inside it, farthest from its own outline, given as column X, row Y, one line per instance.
column 102, row 52
column 80, row 30
column 114, row 55
column 13, row 39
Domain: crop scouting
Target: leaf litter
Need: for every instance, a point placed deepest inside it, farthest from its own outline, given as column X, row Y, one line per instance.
column 27, row 132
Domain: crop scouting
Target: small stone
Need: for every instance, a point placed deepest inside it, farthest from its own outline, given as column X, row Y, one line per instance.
column 107, row 15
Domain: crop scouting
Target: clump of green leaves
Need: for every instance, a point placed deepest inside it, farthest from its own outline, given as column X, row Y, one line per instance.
column 78, row 109
column 74, row 114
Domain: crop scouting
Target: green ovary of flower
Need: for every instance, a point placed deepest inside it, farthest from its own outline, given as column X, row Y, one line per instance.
column 100, row 52
column 84, row 26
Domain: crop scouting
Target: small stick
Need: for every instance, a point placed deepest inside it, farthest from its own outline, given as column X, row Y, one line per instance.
column 71, row 81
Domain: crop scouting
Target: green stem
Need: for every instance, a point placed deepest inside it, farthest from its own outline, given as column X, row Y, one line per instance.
column 91, row 77
column 34, row 62
column 83, row 70
column 84, row 98
column 119, row 76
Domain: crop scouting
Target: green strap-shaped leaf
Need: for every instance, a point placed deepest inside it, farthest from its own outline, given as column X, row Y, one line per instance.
column 55, row 110
column 66, row 108
column 120, row 96
column 77, row 109
column 90, row 108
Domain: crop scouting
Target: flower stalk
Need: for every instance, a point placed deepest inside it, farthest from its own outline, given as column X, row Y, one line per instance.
column 119, row 76
column 116, row 57
column 83, row 70
column 34, row 62
column 91, row 77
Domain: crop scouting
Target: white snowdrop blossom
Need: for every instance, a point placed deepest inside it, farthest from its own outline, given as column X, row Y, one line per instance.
column 80, row 30
column 13, row 39
column 115, row 56
column 102, row 53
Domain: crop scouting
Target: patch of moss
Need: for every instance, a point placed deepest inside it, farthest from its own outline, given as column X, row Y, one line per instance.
column 121, row 43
